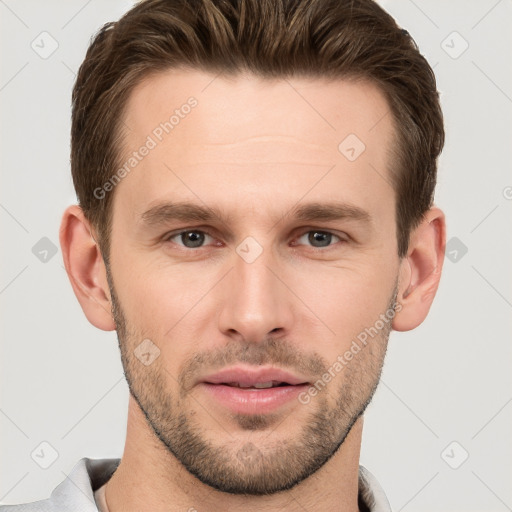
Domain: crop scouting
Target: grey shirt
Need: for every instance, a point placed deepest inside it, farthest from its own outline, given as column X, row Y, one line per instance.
column 78, row 492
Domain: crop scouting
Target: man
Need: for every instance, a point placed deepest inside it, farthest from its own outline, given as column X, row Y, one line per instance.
column 255, row 182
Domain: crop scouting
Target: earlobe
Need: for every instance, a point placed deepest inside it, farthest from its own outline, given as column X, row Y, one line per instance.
column 85, row 268
column 420, row 271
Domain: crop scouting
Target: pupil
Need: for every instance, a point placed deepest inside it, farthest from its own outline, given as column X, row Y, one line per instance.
column 192, row 238
column 324, row 239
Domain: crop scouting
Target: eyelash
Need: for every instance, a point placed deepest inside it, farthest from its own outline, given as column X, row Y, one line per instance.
column 170, row 236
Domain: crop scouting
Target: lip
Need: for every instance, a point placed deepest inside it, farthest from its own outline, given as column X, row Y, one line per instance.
column 251, row 400
column 248, row 376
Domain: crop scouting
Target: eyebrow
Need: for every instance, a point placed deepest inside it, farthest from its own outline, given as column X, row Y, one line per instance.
column 186, row 212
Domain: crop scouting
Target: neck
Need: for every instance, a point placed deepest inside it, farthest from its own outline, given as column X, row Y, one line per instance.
column 149, row 477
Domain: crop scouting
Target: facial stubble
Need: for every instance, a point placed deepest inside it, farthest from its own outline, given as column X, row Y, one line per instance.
column 270, row 463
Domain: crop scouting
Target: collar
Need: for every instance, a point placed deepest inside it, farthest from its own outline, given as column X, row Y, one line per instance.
column 76, row 492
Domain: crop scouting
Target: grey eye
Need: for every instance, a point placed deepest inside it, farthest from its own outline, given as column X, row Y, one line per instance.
column 191, row 239
column 319, row 238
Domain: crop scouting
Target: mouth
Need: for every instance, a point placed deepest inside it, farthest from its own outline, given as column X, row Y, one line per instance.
column 259, row 378
column 253, row 391
column 257, row 385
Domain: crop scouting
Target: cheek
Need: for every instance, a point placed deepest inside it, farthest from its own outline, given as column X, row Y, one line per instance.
column 176, row 304
column 346, row 300
column 164, row 303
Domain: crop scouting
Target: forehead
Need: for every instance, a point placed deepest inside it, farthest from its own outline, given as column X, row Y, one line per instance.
column 232, row 108
column 214, row 139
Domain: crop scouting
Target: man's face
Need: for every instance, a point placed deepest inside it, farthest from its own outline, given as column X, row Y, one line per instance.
column 269, row 282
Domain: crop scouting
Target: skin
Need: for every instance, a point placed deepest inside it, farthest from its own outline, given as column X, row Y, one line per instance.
column 254, row 149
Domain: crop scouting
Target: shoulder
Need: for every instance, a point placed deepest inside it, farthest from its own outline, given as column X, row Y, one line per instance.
column 76, row 491
column 371, row 495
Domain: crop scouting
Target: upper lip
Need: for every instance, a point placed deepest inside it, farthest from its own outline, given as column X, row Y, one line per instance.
column 247, row 376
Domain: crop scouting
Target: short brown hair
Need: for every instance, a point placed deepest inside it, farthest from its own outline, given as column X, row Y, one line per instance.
column 269, row 38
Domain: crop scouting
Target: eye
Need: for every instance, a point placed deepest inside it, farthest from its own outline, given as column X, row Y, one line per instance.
column 191, row 239
column 196, row 239
column 319, row 239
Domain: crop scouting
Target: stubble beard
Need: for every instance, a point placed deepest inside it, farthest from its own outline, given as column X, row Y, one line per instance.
column 275, row 461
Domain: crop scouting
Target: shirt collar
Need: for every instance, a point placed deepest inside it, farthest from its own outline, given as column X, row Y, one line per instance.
column 88, row 475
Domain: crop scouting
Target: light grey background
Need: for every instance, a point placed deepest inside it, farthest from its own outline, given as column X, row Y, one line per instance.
column 449, row 380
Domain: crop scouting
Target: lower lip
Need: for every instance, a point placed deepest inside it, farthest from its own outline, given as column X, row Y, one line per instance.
column 250, row 400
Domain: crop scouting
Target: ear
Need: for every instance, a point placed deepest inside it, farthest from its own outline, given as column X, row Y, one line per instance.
column 86, row 268
column 420, row 271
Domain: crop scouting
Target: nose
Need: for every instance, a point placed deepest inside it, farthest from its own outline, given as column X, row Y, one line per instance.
column 255, row 300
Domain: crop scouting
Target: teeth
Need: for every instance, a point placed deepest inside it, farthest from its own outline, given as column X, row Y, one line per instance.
column 260, row 385
column 263, row 385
